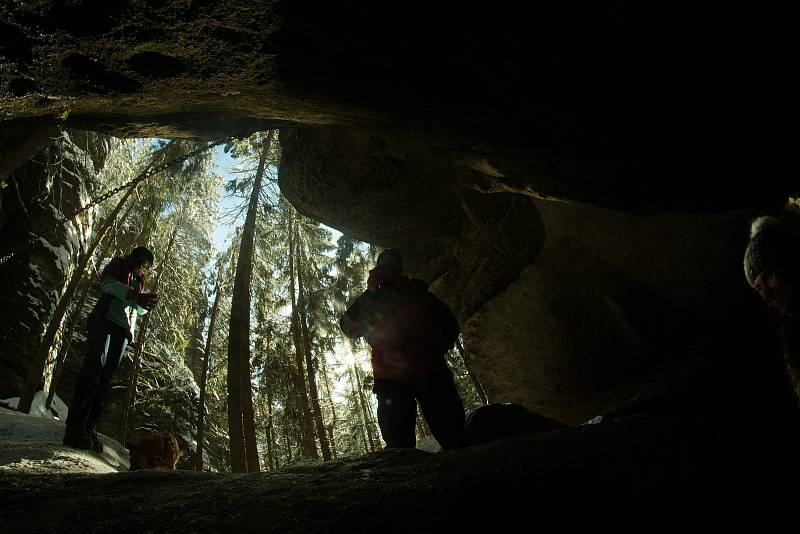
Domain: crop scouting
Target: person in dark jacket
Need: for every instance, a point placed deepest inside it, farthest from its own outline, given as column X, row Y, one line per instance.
column 772, row 266
column 409, row 331
column 110, row 328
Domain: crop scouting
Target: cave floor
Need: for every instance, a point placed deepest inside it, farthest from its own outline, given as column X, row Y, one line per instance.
column 661, row 462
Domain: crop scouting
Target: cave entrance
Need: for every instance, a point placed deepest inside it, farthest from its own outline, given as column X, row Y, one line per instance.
column 86, row 198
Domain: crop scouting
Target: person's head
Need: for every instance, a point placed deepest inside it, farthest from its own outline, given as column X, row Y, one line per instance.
column 140, row 260
column 391, row 262
column 771, row 262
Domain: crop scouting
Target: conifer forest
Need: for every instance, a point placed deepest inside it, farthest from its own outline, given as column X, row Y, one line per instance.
column 243, row 357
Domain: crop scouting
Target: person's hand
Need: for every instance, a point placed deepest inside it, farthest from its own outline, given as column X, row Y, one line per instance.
column 372, row 281
column 146, row 300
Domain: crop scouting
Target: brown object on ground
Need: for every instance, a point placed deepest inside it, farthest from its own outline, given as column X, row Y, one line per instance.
column 153, row 450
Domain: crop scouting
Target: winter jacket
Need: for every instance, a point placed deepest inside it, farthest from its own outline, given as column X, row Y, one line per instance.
column 407, row 327
column 113, row 304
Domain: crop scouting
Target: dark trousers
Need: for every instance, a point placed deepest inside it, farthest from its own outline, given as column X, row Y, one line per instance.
column 440, row 403
column 106, row 344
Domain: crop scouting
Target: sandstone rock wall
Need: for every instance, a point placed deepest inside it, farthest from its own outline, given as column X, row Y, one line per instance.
column 38, row 195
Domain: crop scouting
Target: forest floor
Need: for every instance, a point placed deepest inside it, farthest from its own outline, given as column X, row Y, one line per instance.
column 45, row 487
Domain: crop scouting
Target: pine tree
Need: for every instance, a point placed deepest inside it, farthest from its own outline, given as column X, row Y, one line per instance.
column 201, row 410
column 301, row 393
column 244, row 453
column 174, row 220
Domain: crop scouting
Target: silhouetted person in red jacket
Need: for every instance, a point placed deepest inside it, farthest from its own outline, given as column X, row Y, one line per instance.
column 409, row 331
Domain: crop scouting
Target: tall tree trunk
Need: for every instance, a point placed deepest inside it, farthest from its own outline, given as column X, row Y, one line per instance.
column 66, row 341
column 249, row 419
column 271, row 445
column 270, row 432
column 475, row 382
column 364, row 412
column 46, row 343
column 241, row 416
column 332, row 426
column 287, row 442
column 130, row 398
column 304, row 412
column 285, row 427
column 359, row 408
column 198, row 457
column 74, row 319
column 319, row 423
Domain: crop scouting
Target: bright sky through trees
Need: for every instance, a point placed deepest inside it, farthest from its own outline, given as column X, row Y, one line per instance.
column 224, row 165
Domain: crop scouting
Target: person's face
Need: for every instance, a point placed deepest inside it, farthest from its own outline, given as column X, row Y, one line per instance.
column 386, row 270
column 388, row 263
column 775, row 290
column 142, row 269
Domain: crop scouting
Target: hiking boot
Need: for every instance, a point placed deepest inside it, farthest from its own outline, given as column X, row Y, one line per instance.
column 97, row 445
